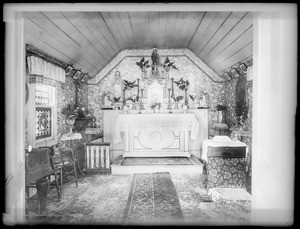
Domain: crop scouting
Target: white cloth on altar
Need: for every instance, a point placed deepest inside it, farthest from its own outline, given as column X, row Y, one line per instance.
column 220, row 141
column 164, row 122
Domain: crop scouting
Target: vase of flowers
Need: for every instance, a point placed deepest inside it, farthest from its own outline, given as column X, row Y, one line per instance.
column 155, row 106
column 176, row 101
column 73, row 113
column 220, row 108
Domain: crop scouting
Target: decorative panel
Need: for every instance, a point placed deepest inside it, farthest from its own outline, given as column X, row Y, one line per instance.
column 43, row 117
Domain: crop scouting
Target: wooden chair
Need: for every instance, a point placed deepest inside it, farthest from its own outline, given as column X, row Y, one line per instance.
column 38, row 171
column 64, row 164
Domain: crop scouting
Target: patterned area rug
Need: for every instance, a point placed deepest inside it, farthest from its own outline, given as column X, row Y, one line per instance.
column 98, row 199
column 102, row 199
column 156, row 161
column 153, row 200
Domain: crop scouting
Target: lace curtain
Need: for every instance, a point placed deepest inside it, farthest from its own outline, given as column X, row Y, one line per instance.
column 37, row 66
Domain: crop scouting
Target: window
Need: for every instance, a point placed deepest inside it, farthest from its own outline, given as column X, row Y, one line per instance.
column 44, row 112
column 42, row 115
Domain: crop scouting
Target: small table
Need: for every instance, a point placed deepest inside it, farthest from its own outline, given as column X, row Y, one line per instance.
column 92, row 131
column 69, row 137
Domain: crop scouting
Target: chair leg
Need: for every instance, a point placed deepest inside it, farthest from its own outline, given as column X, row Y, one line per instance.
column 57, row 185
column 78, row 165
column 75, row 173
column 61, row 181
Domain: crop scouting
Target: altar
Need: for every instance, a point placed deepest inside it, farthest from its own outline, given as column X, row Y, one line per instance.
column 181, row 135
column 157, row 113
column 156, row 135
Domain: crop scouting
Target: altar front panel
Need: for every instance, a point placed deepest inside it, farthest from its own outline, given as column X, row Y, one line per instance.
column 156, row 135
column 155, row 142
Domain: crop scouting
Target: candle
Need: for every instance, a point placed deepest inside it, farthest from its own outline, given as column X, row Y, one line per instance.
column 142, row 93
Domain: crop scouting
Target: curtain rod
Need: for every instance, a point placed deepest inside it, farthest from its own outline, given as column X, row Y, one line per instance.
column 45, row 56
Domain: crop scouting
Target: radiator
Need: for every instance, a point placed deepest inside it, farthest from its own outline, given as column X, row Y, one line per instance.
column 97, row 156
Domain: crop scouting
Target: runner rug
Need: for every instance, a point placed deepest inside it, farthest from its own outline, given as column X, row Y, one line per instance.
column 156, row 161
column 153, row 200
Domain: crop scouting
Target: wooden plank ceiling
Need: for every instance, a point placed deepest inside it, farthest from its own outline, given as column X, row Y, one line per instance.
column 90, row 40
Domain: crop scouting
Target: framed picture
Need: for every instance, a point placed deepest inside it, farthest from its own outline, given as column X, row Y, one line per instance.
column 84, row 78
column 227, row 76
column 243, row 67
column 234, row 72
column 43, row 124
column 68, row 70
column 76, row 75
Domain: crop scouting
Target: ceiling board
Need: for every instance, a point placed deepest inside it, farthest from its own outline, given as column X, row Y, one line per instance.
column 230, row 38
column 90, row 40
column 197, row 38
column 64, row 25
column 239, row 43
column 83, row 29
column 228, row 24
column 235, row 58
column 211, row 30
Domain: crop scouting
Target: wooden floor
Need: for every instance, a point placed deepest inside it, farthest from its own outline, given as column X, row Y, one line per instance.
column 102, row 199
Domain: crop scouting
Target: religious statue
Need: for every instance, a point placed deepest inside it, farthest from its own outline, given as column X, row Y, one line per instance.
column 155, row 62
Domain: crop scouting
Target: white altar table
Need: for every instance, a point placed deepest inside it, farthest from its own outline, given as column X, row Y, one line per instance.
column 156, row 135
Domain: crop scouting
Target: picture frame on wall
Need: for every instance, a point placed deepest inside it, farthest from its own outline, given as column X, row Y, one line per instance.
column 68, row 70
column 234, row 72
column 243, row 67
column 76, row 75
column 227, row 76
column 84, row 78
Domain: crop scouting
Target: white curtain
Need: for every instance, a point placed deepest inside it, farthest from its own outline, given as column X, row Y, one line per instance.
column 249, row 73
column 38, row 66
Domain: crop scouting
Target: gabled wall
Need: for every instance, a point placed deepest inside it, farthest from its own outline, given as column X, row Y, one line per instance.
column 188, row 66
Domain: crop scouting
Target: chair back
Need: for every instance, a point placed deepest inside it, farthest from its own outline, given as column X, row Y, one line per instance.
column 37, row 164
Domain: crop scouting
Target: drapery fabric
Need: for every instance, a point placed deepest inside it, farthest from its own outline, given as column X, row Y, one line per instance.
column 164, row 122
column 38, row 66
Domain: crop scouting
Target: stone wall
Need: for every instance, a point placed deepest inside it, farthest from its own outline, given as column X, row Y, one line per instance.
column 230, row 119
column 65, row 96
column 200, row 82
column 230, row 115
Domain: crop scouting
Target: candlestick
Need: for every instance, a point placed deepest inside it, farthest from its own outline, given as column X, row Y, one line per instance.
column 138, row 87
column 172, row 85
column 169, row 100
column 123, row 98
column 186, row 98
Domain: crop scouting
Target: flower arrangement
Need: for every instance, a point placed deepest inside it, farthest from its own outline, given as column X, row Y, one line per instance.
column 133, row 98
column 143, row 64
column 220, row 107
column 177, row 98
column 168, row 64
column 129, row 85
column 71, row 111
column 182, row 84
column 193, row 96
column 241, row 110
column 155, row 105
